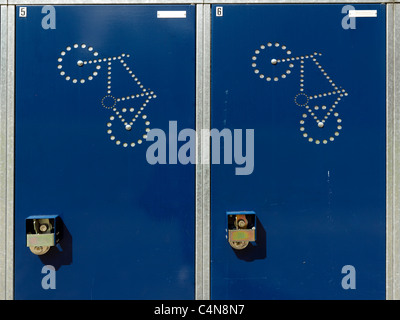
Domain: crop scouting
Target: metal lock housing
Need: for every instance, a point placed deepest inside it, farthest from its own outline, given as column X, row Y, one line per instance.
column 241, row 228
column 42, row 233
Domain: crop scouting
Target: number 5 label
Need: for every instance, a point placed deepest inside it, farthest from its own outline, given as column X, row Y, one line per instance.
column 23, row 12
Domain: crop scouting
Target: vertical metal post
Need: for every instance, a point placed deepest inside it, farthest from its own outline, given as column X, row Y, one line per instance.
column 3, row 150
column 203, row 55
column 396, row 102
column 199, row 171
column 393, row 152
column 9, row 226
column 206, row 152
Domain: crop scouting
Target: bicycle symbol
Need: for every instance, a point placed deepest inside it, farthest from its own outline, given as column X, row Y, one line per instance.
column 79, row 64
column 276, row 54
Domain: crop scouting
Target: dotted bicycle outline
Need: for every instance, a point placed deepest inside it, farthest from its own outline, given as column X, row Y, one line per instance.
column 310, row 109
column 147, row 94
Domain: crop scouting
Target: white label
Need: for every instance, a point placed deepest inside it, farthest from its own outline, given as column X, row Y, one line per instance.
column 23, row 12
column 171, row 14
column 363, row 14
column 219, row 11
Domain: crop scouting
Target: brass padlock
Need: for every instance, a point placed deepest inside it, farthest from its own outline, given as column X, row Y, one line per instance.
column 42, row 233
column 241, row 229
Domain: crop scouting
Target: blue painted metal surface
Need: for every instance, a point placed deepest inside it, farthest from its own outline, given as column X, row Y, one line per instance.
column 319, row 206
column 129, row 225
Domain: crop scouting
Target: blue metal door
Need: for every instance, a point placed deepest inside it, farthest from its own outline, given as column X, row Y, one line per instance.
column 310, row 82
column 91, row 81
